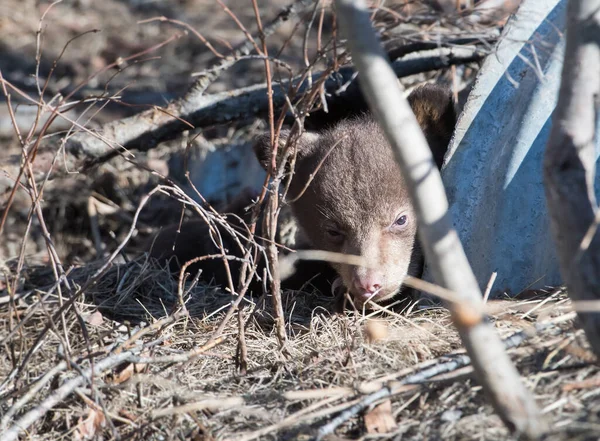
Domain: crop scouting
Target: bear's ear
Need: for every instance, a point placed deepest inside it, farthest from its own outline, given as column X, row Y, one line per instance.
column 263, row 149
column 434, row 109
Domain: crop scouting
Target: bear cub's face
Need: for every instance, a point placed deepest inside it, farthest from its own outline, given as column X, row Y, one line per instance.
column 348, row 196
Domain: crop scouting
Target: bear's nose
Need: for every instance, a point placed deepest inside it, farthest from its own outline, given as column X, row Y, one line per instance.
column 368, row 283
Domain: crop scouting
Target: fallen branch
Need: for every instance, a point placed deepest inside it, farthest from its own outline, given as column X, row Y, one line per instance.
column 443, row 250
column 145, row 130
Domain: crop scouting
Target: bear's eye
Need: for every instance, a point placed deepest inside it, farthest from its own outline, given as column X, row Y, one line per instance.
column 401, row 222
column 333, row 232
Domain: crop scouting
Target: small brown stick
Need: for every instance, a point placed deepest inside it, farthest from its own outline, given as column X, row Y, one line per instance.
column 200, row 37
column 234, row 305
column 241, row 26
column 178, row 358
column 273, row 201
column 589, row 383
column 212, row 404
column 38, row 48
column 242, row 350
column 195, row 260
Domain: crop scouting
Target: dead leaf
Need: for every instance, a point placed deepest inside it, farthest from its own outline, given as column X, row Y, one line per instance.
column 376, row 330
column 127, row 372
column 380, row 419
column 124, row 413
column 86, row 429
column 124, row 374
column 94, row 319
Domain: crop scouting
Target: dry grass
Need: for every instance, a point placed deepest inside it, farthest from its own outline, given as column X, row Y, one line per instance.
column 123, row 358
column 328, row 364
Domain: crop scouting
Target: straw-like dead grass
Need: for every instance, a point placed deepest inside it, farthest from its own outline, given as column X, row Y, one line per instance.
column 154, row 378
column 126, row 360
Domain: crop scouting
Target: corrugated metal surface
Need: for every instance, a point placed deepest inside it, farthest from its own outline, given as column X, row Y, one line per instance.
column 493, row 172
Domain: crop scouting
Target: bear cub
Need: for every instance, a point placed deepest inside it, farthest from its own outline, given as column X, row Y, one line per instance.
column 347, row 195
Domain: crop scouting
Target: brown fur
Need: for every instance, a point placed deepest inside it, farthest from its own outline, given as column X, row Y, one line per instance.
column 178, row 245
column 434, row 110
column 356, row 194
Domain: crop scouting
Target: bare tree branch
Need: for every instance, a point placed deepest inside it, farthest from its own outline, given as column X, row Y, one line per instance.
column 569, row 163
column 496, row 373
column 145, row 130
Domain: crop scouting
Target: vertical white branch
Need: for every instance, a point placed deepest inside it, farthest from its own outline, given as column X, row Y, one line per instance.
column 569, row 163
column 495, row 371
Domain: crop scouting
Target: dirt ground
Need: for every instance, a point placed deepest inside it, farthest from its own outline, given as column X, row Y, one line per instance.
column 119, row 350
